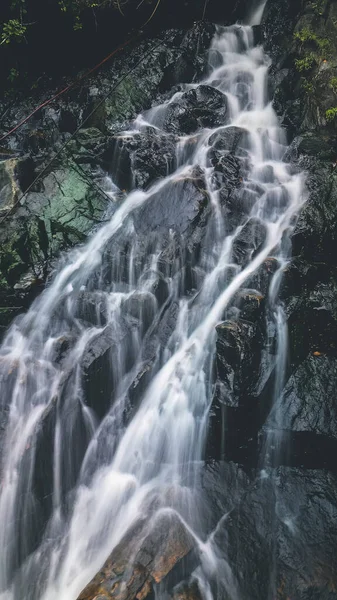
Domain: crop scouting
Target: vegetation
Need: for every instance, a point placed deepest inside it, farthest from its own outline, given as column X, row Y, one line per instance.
column 313, row 51
column 331, row 114
column 333, row 84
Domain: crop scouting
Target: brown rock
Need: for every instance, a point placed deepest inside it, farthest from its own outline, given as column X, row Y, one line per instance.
column 145, row 556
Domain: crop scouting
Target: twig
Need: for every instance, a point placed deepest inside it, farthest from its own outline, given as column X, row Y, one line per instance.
column 153, row 13
column 119, row 8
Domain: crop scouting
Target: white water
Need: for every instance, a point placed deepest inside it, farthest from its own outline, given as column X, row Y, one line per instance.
column 149, row 465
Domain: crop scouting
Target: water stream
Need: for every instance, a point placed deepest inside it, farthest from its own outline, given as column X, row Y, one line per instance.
column 104, row 467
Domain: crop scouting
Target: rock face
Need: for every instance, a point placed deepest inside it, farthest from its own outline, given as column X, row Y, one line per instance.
column 290, row 532
column 309, row 401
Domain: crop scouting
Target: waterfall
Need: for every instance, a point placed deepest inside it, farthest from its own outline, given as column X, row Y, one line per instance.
column 83, row 459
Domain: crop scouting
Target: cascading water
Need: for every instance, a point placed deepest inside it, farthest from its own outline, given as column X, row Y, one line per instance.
column 108, row 458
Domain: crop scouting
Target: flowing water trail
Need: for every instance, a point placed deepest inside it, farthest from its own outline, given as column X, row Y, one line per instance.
column 105, row 464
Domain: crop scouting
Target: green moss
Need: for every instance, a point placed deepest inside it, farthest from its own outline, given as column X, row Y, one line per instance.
column 11, row 265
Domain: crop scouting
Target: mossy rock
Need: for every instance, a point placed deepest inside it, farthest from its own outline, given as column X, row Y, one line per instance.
column 9, row 186
column 59, row 216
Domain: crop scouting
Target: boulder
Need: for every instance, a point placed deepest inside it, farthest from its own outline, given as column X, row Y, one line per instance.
column 228, row 139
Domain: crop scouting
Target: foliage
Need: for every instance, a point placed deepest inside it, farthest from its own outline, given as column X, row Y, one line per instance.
column 13, row 30
column 307, row 86
column 306, row 63
column 13, row 74
column 308, row 37
column 331, row 114
column 317, row 7
column 333, row 84
column 313, row 50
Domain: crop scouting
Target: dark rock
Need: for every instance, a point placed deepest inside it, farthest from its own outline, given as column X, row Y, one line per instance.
column 228, row 139
column 176, row 206
column 279, row 21
column 140, row 159
column 224, row 485
column 227, row 173
column 312, row 325
column 190, row 65
column 92, row 308
column 316, row 232
column 279, row 541
column 202, row 106
column 238, row 354
column 308, row 399
column 49, row 220
column 66, row 203
column 249, row 240
column 105, row 359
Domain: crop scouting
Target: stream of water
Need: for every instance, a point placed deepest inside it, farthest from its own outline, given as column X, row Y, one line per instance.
column 102, row 474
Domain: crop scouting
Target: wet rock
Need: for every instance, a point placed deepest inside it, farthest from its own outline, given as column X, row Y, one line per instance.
column 302, row 40
column 279, row 21
column 56, row 217
column 140, row 159
column 197, row 108
column 308, row 399
column 156, row 546
column 190, row 65
column 10, row 190
column 177, row 205
column 90, row 146
column 316, row 232
column 63, row 207
column 227, row 173
column 92, row 308
column 236, row 347
column 187, row 592
column 312, row 325
column 279, row 541
column 105, row 359
column 249, row 241
column 129, row 98
column 224, row 484
column 228, row 139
